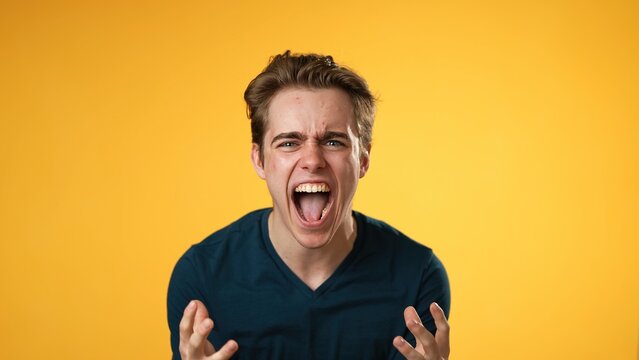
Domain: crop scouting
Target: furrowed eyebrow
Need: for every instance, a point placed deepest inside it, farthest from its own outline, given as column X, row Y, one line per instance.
column 295, row 135
column 334, row 135
column 289, row 135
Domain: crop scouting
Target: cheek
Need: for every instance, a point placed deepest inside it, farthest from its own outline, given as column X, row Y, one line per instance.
column 278, row 172
column 280, row 165
column 347, row 168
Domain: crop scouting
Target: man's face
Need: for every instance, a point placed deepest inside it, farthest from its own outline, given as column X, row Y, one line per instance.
column 312, row 163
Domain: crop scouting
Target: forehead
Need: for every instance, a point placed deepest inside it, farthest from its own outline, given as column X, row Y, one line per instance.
column 310, row 110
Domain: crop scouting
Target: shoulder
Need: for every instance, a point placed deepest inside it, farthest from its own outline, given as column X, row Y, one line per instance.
column 411, row 264
column 212, row 256
column 243, row 232
column 379, row 234
column 395, row 250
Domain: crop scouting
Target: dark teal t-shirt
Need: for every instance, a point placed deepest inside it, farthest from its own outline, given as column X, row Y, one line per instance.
column 255, row 299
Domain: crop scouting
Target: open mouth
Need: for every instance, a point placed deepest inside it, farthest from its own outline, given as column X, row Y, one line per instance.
column 312, row 201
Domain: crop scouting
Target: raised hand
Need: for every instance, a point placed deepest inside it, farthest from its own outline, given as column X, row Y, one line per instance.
column 195, row 327
column 428, row 347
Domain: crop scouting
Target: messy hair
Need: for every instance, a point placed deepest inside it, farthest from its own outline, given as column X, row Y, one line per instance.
column 309, row 71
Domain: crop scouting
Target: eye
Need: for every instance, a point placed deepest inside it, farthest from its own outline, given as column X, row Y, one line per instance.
column 334, row 143
column 287, row 144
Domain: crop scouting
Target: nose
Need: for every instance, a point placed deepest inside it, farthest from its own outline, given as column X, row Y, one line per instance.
column 312, row 158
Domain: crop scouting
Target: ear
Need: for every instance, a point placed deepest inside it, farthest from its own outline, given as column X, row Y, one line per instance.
column 364, row 161
column 258, row 164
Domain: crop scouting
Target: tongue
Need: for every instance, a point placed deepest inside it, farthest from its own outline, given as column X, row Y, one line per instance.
column 312, row 205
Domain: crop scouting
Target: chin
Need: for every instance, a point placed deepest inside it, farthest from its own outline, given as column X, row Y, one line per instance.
column 313, row 241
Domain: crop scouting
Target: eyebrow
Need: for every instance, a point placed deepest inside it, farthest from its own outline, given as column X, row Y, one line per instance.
column 298, row 136
column 288, row 135
column 334, row 135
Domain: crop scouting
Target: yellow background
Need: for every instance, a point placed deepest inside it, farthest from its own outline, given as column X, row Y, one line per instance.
column 507, row 139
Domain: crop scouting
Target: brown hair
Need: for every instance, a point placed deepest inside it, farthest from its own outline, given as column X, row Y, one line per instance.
column 307, row 71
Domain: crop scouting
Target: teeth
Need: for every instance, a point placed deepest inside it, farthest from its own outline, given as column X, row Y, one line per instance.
column 312, row 188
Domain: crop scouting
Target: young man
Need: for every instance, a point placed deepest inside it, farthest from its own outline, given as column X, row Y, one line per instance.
column 309, row 278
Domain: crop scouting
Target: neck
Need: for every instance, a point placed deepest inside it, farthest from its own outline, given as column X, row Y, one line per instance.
column 316, row 265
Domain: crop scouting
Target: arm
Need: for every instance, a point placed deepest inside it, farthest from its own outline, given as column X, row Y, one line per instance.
column 188, row 317
column 435, row 287
column 429, row 329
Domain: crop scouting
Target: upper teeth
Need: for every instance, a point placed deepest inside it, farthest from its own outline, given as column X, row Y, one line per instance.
column 312, row 188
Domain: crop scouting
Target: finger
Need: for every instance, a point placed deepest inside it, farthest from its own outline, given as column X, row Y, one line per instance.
column 186, row 324
column 442, row 336
column 201, row 313
column 424, row 338
column 226, row 351
column 410, row 315
column 198, row 338
column 406, row 349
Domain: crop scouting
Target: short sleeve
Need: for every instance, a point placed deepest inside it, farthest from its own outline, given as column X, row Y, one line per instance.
column 434, row 288
column 184, row 286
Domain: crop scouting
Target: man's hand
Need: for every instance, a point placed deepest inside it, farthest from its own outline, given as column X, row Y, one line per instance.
column 195, row 327
column 427, row 347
